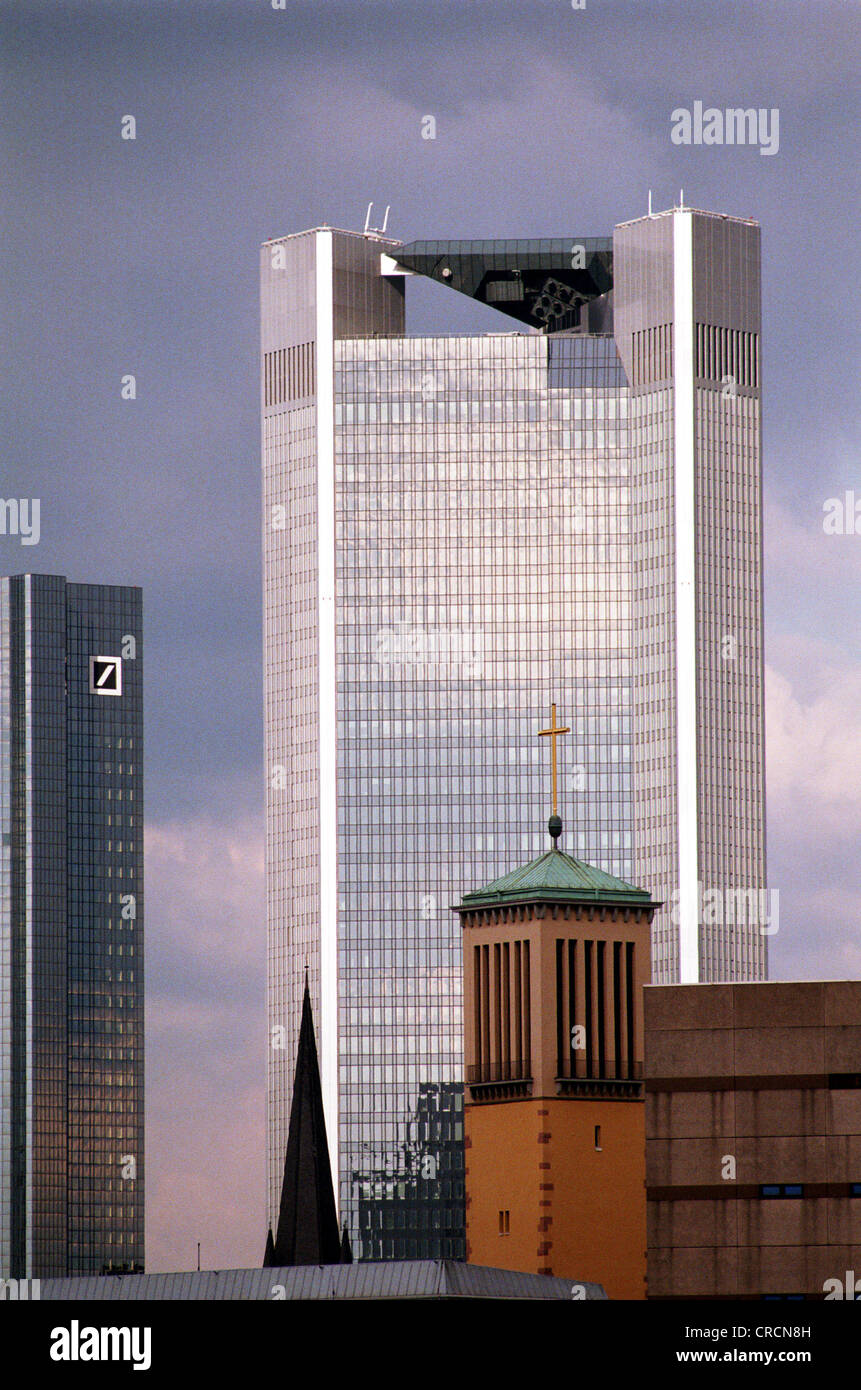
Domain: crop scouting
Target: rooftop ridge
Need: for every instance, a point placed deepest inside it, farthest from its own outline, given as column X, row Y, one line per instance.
column 700, row 212
column 557, row 876
column 342, row 231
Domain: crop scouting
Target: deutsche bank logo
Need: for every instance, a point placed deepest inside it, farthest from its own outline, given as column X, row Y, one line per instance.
column 106, row 675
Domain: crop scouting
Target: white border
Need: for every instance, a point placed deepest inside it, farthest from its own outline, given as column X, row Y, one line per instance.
column 686, row 624
column 326, row 672
column 28, row 929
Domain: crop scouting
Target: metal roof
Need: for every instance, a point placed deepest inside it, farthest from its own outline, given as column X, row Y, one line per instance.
column 432, row 1279
column 557, row 877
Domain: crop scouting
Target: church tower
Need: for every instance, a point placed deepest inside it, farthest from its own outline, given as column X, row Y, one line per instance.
column 556, row 955
column 307, row 1232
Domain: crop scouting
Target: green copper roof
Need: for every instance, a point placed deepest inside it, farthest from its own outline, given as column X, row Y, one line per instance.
column 557, row 878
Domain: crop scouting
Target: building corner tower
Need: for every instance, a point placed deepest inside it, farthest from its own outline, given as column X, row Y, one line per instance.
column 687, row 324
column 315, row 287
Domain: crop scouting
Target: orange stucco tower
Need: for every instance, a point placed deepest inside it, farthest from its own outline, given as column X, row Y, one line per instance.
column 556, row 955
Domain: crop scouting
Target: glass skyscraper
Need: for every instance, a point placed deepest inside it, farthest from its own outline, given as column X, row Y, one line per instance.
column 458, row 532
column 71, row 928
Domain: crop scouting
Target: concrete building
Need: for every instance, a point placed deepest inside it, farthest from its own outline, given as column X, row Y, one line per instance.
column 71, row 928
column 457, row 530
column 555, row 958
column 753, row 1139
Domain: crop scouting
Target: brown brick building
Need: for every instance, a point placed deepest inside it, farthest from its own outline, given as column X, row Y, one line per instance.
column 555, row 958
column 753, row 1138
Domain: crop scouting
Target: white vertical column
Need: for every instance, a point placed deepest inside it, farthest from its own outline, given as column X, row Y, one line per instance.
column 5, row 938
column 328, row 729
column 685, row 551
column 28, row 930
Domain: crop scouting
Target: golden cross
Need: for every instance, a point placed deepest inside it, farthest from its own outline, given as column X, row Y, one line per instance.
column 553, row 733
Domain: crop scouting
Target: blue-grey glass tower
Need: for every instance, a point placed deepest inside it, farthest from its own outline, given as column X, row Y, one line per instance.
column 71, row 928
column 458, row 531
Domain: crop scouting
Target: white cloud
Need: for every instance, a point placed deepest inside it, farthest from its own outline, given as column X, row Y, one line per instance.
column 814, row 749
column 814, row 810
column 796, row 547
column 205, row 888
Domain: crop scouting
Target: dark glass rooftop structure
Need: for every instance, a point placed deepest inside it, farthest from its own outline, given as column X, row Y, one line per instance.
column 544, row 283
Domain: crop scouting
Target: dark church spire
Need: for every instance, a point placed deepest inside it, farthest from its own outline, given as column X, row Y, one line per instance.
column 346, row 1248
column 307, row 1222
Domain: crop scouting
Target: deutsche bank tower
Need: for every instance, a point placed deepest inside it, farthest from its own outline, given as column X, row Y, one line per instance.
column 458, row 531
column 71, row 928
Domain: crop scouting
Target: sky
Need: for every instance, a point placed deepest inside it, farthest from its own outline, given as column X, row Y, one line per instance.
column 140, row 256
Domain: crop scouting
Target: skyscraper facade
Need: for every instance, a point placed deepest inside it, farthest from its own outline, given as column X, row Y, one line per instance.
column 71, row 928
column 447, row 550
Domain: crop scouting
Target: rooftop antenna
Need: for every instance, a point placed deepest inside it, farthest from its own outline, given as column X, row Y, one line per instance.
column 650, row 202
column 681, row 197
column 376, row 231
